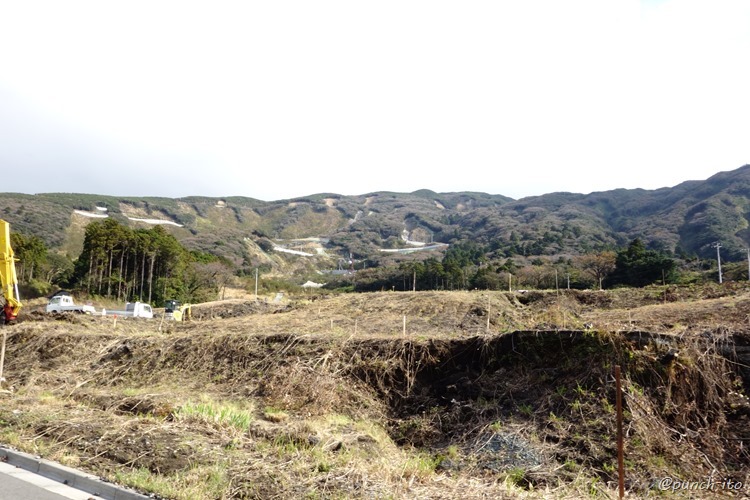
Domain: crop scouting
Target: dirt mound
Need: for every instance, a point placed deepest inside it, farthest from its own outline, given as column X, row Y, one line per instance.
column 233, row 308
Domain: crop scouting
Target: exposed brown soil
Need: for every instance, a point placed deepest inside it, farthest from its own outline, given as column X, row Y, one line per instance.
column 400, row 395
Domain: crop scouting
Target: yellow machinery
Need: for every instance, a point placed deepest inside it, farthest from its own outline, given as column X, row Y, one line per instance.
column 8, row 276
column 10, row 290
column 178, row 312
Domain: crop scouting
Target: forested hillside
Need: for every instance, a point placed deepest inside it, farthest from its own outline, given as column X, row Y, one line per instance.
column 394, row 240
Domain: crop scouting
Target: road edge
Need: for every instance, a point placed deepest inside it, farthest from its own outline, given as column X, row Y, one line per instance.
column 74, row 478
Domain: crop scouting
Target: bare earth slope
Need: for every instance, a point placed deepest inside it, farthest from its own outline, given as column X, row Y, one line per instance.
column 392, row 395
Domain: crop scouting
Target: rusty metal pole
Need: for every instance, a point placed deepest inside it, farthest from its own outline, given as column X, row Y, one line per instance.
column 620, row 458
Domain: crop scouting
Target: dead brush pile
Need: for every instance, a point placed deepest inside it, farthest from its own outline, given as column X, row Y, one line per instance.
column 688, row 407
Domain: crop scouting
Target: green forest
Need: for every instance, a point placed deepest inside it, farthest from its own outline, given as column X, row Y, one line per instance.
column 619, row 238
column 470, row 265
column 151, row 265
column 122, row 264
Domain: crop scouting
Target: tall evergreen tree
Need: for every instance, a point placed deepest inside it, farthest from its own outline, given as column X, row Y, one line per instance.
column 638, row 266
column 141, row 264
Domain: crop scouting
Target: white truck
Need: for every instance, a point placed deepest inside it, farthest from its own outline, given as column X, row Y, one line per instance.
column 132, row 310
column 63, row 302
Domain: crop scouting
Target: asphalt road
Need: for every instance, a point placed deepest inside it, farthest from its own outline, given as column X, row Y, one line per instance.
column 20, row 484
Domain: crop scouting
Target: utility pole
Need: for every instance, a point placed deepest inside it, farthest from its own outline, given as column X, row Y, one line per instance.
column 748, row 263
column 557, row 288
column 717, row 246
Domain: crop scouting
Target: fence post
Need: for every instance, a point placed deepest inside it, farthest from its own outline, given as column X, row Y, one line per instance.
column 620, row 458
column 489, row 312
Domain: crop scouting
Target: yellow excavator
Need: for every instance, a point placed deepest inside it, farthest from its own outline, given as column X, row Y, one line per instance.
column 9, row 281
column 173, row 309
column 8, row 276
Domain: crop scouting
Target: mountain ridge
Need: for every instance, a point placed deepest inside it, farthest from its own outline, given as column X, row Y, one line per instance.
column 683, row 219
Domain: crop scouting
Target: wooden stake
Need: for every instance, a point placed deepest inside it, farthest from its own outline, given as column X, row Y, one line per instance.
column 489, row 309
column 620, row 458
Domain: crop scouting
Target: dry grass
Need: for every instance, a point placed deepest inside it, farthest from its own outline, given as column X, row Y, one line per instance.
column 325, row 397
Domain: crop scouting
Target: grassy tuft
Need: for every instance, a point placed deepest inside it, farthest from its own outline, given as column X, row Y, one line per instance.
column 275, row 415
column 197, row 482
column 224, row 415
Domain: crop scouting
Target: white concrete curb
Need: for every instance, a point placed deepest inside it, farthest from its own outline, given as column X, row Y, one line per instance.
column 69, row 476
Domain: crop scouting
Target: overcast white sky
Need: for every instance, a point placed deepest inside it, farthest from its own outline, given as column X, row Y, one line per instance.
column 279, row 99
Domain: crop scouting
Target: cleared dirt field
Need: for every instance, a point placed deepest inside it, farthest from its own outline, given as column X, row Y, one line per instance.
column 392, row 395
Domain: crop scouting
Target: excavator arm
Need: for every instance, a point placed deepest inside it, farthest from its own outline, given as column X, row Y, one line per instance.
column 187, row 312
column 8, row 276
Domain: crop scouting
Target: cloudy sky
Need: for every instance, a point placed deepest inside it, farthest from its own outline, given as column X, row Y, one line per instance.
column 285, row 98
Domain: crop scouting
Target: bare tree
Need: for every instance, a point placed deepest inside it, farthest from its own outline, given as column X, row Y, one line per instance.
column 598, row 265
column 216, row 275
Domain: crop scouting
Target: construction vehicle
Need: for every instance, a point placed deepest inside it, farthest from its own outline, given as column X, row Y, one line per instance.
column 132, row 310
column 176, row 311
column 8, row 276
column 63, row 302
